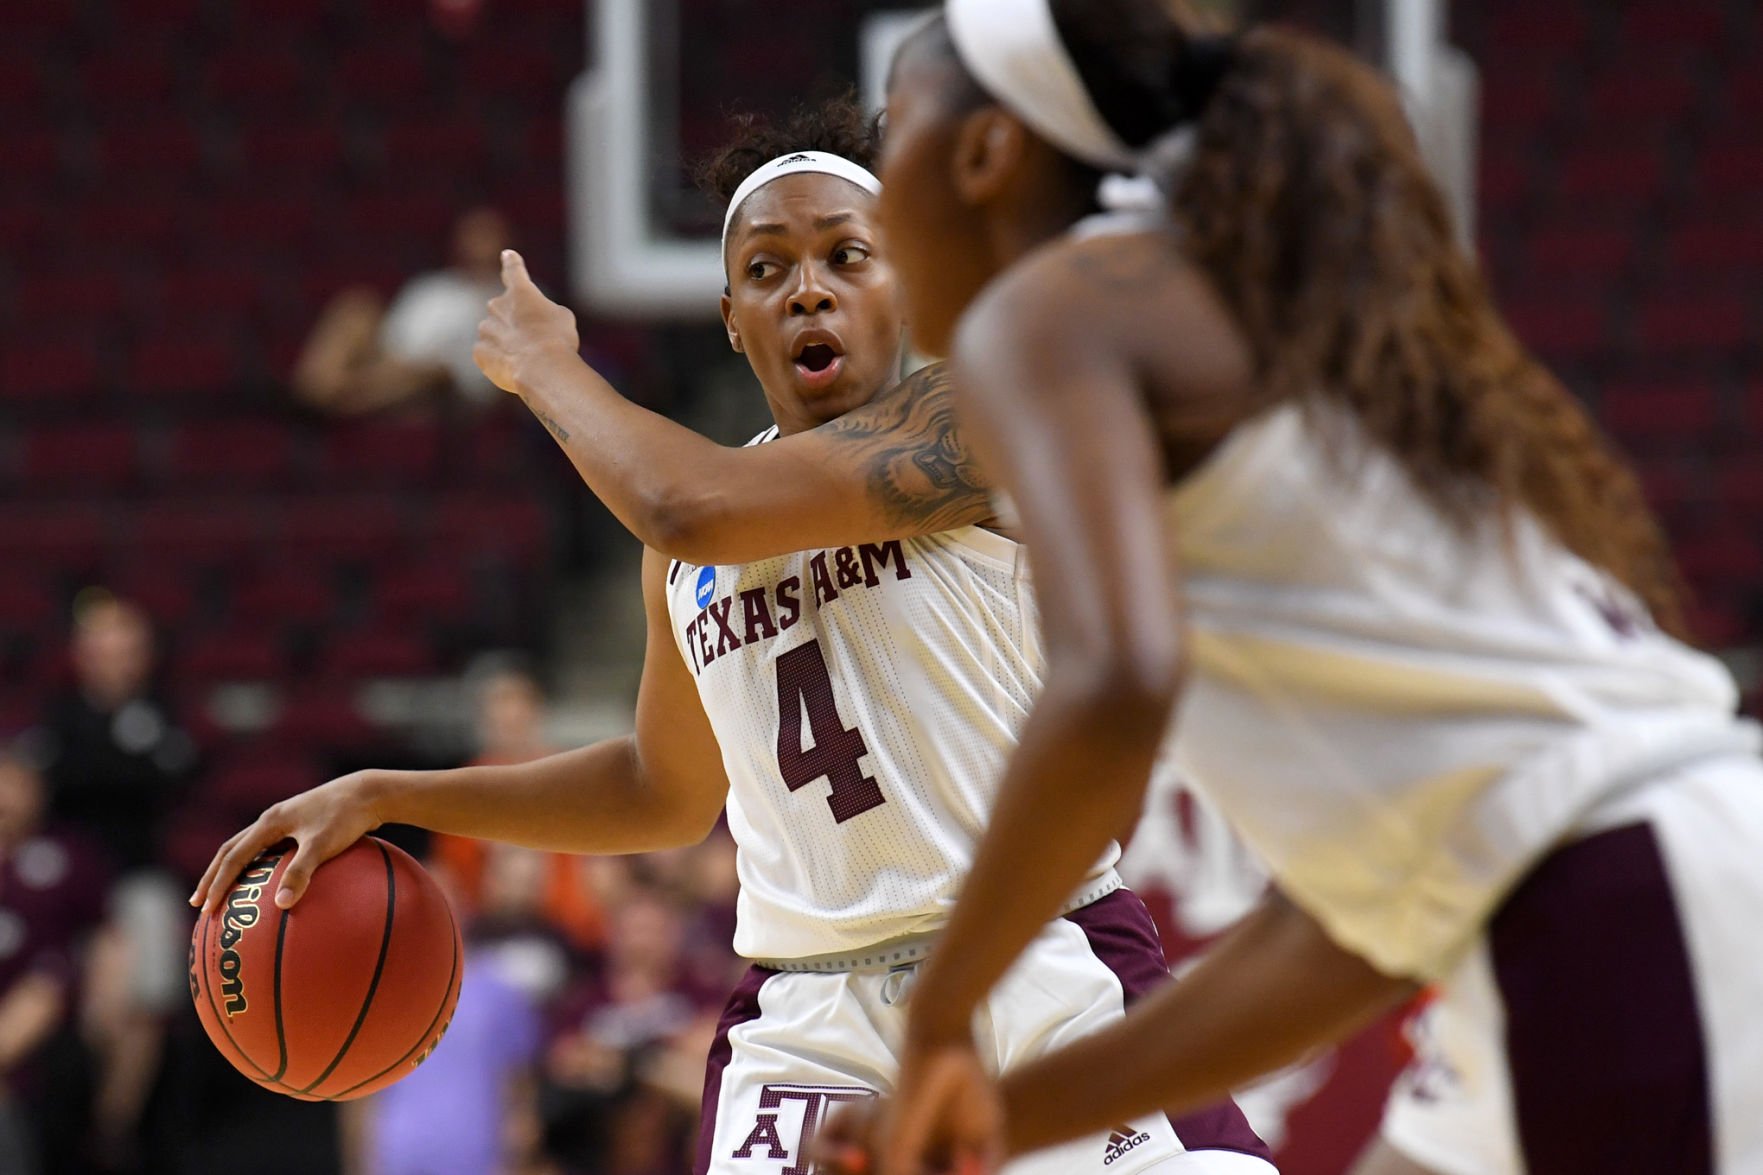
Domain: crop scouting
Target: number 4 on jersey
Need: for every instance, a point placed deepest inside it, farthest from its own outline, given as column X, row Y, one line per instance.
column 803, row 683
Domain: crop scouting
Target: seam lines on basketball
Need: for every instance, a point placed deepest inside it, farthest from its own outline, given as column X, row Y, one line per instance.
column 281, row 1039
column 207, row 924
column 378, row 969
column 423, row 1041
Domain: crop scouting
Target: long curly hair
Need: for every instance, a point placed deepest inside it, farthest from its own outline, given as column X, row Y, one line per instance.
column 838, row 126
column 1306, row 202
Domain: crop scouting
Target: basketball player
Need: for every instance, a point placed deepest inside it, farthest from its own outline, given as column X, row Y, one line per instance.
column 852, row 705
column 1277, row 454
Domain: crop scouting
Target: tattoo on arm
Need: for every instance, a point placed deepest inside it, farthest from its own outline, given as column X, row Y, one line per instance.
column 919, row 468
column 557, row 430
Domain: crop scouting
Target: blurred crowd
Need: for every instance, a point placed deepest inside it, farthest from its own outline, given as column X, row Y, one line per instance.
column 591, row 990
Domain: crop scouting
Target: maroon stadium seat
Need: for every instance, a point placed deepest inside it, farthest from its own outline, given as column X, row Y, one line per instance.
column 67, row 535
column 211, row 532
column 167, row 592
column 436, row 145
column 229, row 289
column 1558, row 29
column 1560, row 326
column 128, row 150
column 435, row 589
column 404, row 453
column 247, row 784
column 284, row 592
column 515, row 527
column 381, row 74
column 234, row 653
column 1694, row 23
column 84, row 458
column 30, row 152
column 128, row 78
column 258, row 454
column 82, row 294
column 1629, row 175
column 1718, row 247
column 49, row 372
column 27, row 601
column 1660, row 412
column 322, row 716
column 1630, row 94
column 137, row 221
column 1709, row 321
column 1523, row 104
column 376, row 652
column 359, row 526
column 184, row 365
column 1583, row 250
column 304, row 150
column 257, row 78
column 1733, row 171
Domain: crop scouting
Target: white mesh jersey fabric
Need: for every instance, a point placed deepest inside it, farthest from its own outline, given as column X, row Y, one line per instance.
column 907, row 669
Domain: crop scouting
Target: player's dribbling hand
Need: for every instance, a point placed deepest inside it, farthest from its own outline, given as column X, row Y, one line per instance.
column 521, row 324
column 322, row 823
column 946, row 1117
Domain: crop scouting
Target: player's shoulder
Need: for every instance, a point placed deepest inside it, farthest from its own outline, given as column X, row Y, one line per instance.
column 1078, row 293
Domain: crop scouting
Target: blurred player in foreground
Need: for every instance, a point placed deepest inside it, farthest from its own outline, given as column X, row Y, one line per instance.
column 1277, row 454
column 852, row 702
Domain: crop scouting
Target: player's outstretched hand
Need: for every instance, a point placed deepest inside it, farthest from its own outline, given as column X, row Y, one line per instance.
column 521, row 324
column 322, row 823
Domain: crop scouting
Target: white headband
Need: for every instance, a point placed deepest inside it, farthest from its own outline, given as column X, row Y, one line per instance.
column 797, row 163
column 1013, row 50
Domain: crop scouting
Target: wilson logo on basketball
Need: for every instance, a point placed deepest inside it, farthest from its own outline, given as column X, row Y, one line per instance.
column 242, row 914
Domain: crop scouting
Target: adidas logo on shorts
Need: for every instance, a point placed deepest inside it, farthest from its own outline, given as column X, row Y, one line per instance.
column 1122, row 1139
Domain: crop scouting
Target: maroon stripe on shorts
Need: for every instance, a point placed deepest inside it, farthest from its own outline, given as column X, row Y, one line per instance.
column 742, row 1008
column 1603, row 1032
column 1124, row 937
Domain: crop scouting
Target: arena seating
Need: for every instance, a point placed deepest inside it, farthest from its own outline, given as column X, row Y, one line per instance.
column 198, row 178
column 1622, row 157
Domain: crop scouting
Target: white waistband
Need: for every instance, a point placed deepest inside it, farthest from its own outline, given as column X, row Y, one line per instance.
column 915, row 948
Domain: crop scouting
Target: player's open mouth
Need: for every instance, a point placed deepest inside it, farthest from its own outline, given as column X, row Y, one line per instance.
column 819, row 364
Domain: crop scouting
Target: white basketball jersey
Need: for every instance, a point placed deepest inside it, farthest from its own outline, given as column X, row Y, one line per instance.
column 866, row 699
column 1401, row 718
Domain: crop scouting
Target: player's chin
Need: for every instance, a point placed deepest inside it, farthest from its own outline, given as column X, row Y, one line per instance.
column 841, row 386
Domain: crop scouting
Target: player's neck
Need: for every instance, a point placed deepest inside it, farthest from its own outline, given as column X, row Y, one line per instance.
column 792, row 415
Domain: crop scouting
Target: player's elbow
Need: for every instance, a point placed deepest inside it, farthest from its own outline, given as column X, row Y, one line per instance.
column 683, row 524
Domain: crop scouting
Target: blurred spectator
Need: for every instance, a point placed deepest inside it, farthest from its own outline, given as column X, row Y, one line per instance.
column 611, row 1099
column 117, row 763
column 364, row 357
column 115, row 758
column 510, row 725
column 52, row 887
column 469, row 1107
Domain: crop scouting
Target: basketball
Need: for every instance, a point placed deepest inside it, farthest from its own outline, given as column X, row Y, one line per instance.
column 343, row 994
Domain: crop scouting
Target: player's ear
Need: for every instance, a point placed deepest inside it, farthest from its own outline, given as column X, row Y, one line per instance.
column 989, row 146
column 729, row 324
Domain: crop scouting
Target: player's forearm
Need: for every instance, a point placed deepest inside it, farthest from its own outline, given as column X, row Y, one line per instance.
column 591, row 800
column 648, row 470
column 1273, row 990
column 1076, row 780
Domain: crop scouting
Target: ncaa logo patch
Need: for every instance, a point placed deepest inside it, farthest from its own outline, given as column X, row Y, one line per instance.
column 706, row 586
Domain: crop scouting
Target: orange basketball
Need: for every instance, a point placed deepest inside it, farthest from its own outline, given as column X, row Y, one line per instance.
column 340, row 996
